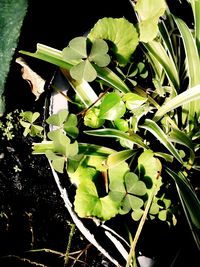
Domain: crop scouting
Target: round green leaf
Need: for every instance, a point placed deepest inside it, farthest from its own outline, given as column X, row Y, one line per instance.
column 137, row 214
column 91, row 118
column 121, row 33
column 112, row 107
column 122, row 125
column 162, row 215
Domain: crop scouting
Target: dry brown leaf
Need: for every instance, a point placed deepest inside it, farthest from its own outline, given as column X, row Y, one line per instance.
column 35, row 81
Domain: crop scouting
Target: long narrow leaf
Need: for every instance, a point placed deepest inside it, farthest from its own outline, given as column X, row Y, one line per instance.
column 118, row 157
column 111, row 79
column 54, row 56
column 180, row 137
column 48, row 54
column 196, row 13
column 186, row 97
column 189, row 197
column 192, row 60
column 113, row 133
column 192, row 57
column 152, row 127
column 157, row 50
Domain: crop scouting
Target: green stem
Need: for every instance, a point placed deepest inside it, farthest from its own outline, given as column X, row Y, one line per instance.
column 71, row 234
column 131, row 256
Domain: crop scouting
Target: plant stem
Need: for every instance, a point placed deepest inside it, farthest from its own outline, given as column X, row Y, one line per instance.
column 131, row 256
column 72, row 230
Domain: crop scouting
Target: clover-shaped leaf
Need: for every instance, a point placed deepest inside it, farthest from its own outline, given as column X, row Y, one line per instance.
column 27, row 120
column 76, row 50
column 133, row 185
column 83, row 70
column 99, row 54
column 66, row 121
column 59, row 118
column 62, row 149
column 134, row 189
column 76, row 54
column 137, row 214
column 70, row 126
column 57, row 161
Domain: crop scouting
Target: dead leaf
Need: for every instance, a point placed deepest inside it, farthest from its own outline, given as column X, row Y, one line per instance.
column 35, row 81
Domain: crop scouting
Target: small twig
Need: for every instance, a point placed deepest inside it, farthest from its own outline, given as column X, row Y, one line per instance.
column 85, row 110
column 80, row 254
column 131, row 256
column 25, row 260
column 71, row 234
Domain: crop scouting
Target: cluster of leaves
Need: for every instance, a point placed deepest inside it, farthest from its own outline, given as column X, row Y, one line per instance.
column 153, row 128
column 9, row 124
column 28, row 121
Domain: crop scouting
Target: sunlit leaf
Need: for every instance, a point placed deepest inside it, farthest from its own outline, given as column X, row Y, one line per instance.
column 112, row 107
column 83, row 70
column 137, row 214
column 76, row 49
column 99, row 54
column 133, row 185
column 57, row 119
column 149, row 13
column 119, row 31
column 114, row 133
column 133, row 100
column 119, row 157
column 91, row 118
column 57, row 161
column 162, row 137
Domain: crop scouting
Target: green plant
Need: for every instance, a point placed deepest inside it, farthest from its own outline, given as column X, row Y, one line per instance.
column 9, row 124
column 11, row 20
column 150, row 115
column 27, row 120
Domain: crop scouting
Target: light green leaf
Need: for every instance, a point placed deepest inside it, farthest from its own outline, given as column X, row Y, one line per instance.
column 137, row 214
column 158, row 133
column 162, row 215
column 88, row 204
column 187, row 96
column 133, row 100
column 119, row 31
column 158, row 52
column 58, row 119
column 99, row 54
column 76, row 50
column 83, row 70
column 119, row 157
column 58, row 162
column 149, row 12
column 122, row 125
column 112, row 107
column 114, row 133
column 91, row 118
column 133, row 185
